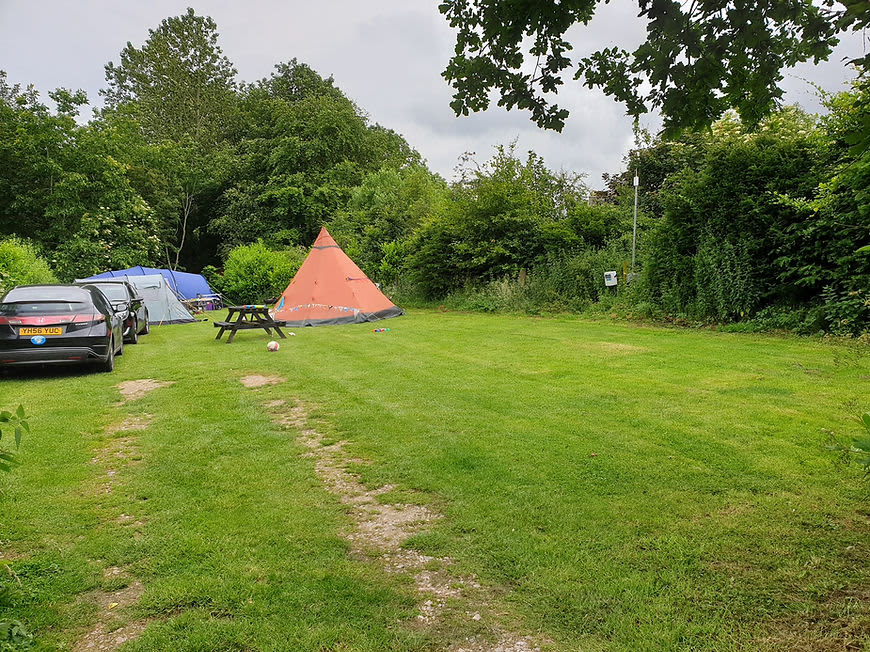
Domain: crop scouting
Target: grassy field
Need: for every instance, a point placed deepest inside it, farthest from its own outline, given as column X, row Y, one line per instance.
column 610, row 486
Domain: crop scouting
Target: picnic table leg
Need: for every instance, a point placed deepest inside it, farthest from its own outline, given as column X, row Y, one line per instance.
column 220, row 332
column 232, row 336
column 278, row 330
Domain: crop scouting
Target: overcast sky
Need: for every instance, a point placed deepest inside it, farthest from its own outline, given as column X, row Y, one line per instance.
column 386, row 55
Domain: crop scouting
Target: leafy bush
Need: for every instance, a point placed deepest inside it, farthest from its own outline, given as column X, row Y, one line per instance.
column 255, row 274
column 501, row 218
column 20, row 265
column 115, row 238
column 847, row 311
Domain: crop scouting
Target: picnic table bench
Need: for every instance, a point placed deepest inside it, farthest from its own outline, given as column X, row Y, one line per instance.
column 247, row 317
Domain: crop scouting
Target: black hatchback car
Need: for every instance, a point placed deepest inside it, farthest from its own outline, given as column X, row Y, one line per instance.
column 60, row 324
column 136, row 315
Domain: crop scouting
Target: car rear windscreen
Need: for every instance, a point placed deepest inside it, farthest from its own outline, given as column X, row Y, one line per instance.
column 36, row 308
column 47, row 293
column 46, row 300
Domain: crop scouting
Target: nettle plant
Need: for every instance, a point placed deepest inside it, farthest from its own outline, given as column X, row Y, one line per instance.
column 858, row 450
column 13, row 634
column 17, row 423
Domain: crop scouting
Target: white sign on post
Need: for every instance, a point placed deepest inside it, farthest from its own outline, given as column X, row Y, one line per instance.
column 610, row 279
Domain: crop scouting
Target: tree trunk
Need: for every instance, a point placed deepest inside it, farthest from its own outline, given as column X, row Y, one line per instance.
column 186, row 206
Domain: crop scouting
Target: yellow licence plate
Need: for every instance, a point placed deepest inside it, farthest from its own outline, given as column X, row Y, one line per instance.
column 55, row 330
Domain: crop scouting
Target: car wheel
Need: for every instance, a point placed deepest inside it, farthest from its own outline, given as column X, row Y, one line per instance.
column 108, row 364
column 147, row 325
column 133, row 335
column 121, row 348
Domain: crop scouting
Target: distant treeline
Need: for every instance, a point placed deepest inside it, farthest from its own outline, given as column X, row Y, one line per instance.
column 186, row 167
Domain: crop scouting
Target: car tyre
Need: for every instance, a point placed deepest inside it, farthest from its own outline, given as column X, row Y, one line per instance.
column 108, row 365
column 147, row 325
column 133, row 337
column 120, row 350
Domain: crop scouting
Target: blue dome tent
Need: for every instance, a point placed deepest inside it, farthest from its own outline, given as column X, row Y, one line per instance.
column 184, row 284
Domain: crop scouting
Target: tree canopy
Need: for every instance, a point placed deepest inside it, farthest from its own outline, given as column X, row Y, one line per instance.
column 179, row 83
column 753, row 218
column 699, row 59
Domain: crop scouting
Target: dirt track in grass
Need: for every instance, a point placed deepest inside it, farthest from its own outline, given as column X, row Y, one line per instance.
column 379, row 532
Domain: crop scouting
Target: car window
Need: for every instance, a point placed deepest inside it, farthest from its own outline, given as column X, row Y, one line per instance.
column 114, row 291
column 101, row 302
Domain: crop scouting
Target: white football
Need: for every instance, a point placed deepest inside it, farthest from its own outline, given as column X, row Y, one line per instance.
column 273, row 346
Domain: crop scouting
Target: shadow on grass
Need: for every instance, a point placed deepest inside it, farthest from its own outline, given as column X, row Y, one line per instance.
column 47, row 371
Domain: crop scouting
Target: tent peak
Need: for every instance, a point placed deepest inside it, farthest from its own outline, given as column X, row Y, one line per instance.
column 324, row 239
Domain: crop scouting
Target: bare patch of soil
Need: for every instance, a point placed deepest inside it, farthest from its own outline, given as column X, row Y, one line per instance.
column 100, row 638
column 133, row 389
column 120, row 451
column 125, row 597
column 836, row 635
column 380, row 530
column 256, row 380
column 110, row 631
column 130, row 423
column 504, row 645
column 113, row 627
column 10, row 555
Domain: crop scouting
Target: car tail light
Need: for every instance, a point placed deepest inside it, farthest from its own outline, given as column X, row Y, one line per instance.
column 80, row 322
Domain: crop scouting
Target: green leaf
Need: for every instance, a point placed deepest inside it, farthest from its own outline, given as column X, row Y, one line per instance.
column 26, row 426
column 864, row 249
column 5, row 415
column 865, row 419
column 7, row 461
column 20, row 411
column 861, row 445
column 17, row 436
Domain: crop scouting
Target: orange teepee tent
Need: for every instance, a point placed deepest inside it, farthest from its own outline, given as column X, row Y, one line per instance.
column 330, row 289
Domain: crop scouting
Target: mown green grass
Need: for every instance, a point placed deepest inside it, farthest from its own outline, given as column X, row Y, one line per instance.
column 617, row 487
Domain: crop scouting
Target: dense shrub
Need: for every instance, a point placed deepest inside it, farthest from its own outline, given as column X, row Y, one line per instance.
column 500, row 219
column 20, row 265
column 256, row 274
column 565, row 281
column 718, row 251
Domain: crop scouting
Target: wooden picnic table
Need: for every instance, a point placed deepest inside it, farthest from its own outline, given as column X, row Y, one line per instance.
column 247, row 317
